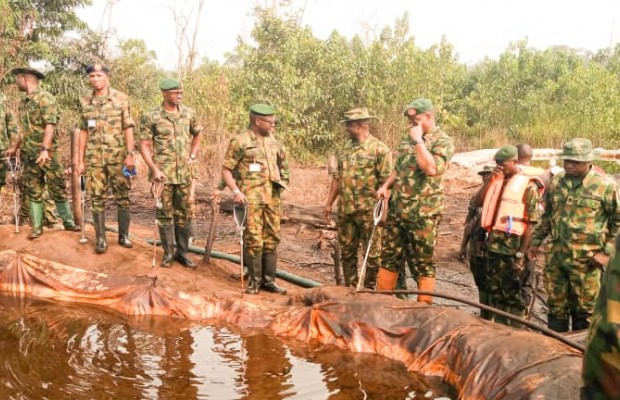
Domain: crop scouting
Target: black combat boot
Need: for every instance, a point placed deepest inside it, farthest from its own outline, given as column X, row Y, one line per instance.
column 580, row 321
column 123, row 228
column 166, row 235
column 270, row 261
column 181, row 235
column 101, row 244
column 557, row 324
column 255, row 274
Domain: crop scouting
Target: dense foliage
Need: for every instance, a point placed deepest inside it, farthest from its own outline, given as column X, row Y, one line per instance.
column 540, row 97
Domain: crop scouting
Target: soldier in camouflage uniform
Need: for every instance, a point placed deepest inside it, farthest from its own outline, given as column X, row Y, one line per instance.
column 507, row 250
column 172, row 133
column 601, row 361
column 38, row 116
column 106, row 145
column 581, row 218
column 256, row 170
column 474, row 237
column 8, row 132
column 363, row 165
column 417, row 201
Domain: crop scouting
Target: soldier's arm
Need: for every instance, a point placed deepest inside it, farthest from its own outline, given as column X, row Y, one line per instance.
column 532, row 198
column 384, row 165
column 333, row 195
column 234, row 154
column 612, row 209
column 285, row 172
column 195, row 129
column 146, row 147
column 543, row 228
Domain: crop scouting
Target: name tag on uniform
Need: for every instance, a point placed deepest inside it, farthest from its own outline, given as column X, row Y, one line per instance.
column 255, row 167
column 92, row 123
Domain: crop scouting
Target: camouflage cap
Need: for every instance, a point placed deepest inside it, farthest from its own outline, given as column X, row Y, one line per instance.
column 506, row 153
column 357, row 114
column 578, row 149
column 169, row 84
column 28, row 70
column 262, row 109
column 487, row 169
column 420, row 106
column 97, row 67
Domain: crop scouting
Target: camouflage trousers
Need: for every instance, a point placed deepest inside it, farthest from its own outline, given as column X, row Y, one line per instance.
column 51, row 174
column 262, row 229
column 421, row 234
column 354, row 232
column 102, row 177
column 505, row 283
column 50, row 216
column 176, row 206
column 572, row 284
column 479, row 267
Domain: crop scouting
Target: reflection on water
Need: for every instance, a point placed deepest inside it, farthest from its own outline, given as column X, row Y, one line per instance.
column 58, row 351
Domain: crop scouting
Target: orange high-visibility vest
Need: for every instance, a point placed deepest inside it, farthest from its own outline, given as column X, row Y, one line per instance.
column 504, row 210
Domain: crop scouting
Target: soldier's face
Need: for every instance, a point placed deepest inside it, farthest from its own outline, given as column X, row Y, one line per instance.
column 173, row 97
column 352, row 127
column 20, row 81
column 266, row 125
column 576, row 168
column 98, row 79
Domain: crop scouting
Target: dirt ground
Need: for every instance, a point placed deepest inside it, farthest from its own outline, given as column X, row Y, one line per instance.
column 304, row 250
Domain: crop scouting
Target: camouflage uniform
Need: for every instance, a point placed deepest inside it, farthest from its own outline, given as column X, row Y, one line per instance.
column 361, row 169
column 478, row 263
column 262, row 233
column 105, row 118
column 505, row 281
column 36, row 110
column 416, row 205
column 582, row 217
column 8, row 131
column 601, row 361
column 172, row 134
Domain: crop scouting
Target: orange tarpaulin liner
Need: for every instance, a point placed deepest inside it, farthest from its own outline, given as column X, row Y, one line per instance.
column 480, row 359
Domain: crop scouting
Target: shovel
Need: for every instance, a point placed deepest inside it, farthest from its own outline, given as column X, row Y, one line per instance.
column 240, row 212
column 83, row 190
column 156, row 190
column 377, row 215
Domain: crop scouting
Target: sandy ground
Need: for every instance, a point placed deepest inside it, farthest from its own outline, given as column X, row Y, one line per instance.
column 304, row 250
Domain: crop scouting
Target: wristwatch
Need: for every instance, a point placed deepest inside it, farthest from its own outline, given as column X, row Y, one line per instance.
column 519, row 255
column 132, row 153
column 43, row 148
column 236, row 191
column 192, row 156
column 417, row 142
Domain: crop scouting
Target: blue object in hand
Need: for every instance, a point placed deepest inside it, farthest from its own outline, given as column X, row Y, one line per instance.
column 129, row 172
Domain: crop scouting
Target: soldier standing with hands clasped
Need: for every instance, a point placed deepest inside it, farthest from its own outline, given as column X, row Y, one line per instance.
column 172, row 133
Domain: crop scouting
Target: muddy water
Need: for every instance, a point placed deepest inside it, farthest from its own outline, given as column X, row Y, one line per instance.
column 57, row 351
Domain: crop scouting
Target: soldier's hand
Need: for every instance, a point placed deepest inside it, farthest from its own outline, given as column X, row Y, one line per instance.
column 415, row 133
column 462, row 255
column 382, row 193
column 240, row 198
column 327, row 214
column 10, row 152
column 130, row 162
column 159, row 176
column 599, row 260
column 44, row 157
column 81, row 169
column 532, row 253
column 215, row 196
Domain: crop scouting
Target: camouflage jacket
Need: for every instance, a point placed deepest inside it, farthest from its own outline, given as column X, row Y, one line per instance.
column 582, row 216
column 601, row 361
column 8, row 125
column 501, row 243
column 414, row 194
column 105, row 118
column 36, row 110
column 171, row 135
column 260, row 167
column 361, row 169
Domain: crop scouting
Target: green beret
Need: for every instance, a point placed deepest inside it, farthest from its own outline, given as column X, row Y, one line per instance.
column 262, row 109
column 420, row 106
column 506, row 153
column 169, row 84
column 28, row 70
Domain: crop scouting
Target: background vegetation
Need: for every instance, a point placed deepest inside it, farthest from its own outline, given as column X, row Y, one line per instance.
column 540, row 97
